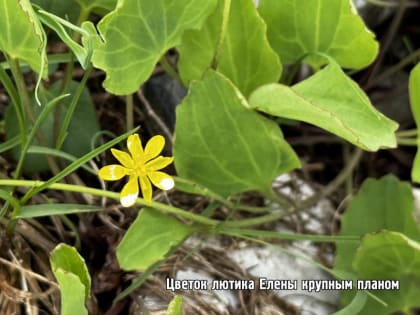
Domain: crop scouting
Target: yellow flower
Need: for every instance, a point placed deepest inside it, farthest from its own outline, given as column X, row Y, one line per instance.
column 142, row 168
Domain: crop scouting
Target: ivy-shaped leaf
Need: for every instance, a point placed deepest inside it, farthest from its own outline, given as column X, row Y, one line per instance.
column 380, row 204
column 149, row 239
column 390, row 256
column 330, row 100
column 136, row 35
column 222, row 144
column 297, row 28
column 21, row 34
column 414, row 89
column 245, row 57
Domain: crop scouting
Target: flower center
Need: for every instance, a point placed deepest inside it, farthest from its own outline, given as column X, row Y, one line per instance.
column 140, row 169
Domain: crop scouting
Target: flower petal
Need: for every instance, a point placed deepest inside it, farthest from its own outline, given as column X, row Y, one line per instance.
column 158, row 163
column 129, row 192
column 146, row 188
column 112, row 172
column 153, row 147
column 135, row 148
column 161, row 180
column 123, row 157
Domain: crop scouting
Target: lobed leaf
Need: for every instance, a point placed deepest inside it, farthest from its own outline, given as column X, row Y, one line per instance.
column 297, row 28
column 414, row 90
column 222, row 144
column 21, row 35
column 380, row 204
column 137, row 34
column 330, row 100
column 149, row 239
column 245, row 57
column 390, row 256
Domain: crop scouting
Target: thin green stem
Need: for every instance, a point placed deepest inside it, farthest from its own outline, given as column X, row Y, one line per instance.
column 222, row 34
column 21, row 87
column 407, row 133
column 14, row 96
column 129, row 111
column 271, row 217
column 169, row 68
column 287, row 236
column 37, row 185
column 72, row 107
column 407, row 142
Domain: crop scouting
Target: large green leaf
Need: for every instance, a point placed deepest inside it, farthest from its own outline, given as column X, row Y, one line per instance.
column 380, row 204
column 297, row 28
column 149, row 239
column 73, row 278
column 222, row 144
column 390, row 256
column 83, row 126
column 136, row 35
column 245, row 56
column 331, row 100
column 414, row 89
column 21, row 34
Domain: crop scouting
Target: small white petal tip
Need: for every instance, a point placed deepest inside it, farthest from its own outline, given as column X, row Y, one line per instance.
column 167, row 183
column 129, row 200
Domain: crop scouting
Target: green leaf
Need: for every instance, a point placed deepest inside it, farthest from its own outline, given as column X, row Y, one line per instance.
column 390, row 256
column 297, row 28
column 136, row 35
column 82, row 129
column 66, row 9
column 222, row 144
column 245, row 56
column 21, row 35
column 331, row 100
column 380, row 204
column 105, row 5
column 414, row 90
column 73, row 278
column 356, row 305
column 82, row 53
column 33, row 211
column 175, row 307
column 149, row 238
column 71, row 291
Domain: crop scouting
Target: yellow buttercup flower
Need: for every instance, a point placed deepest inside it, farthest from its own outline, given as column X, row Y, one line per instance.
column 142, row 168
